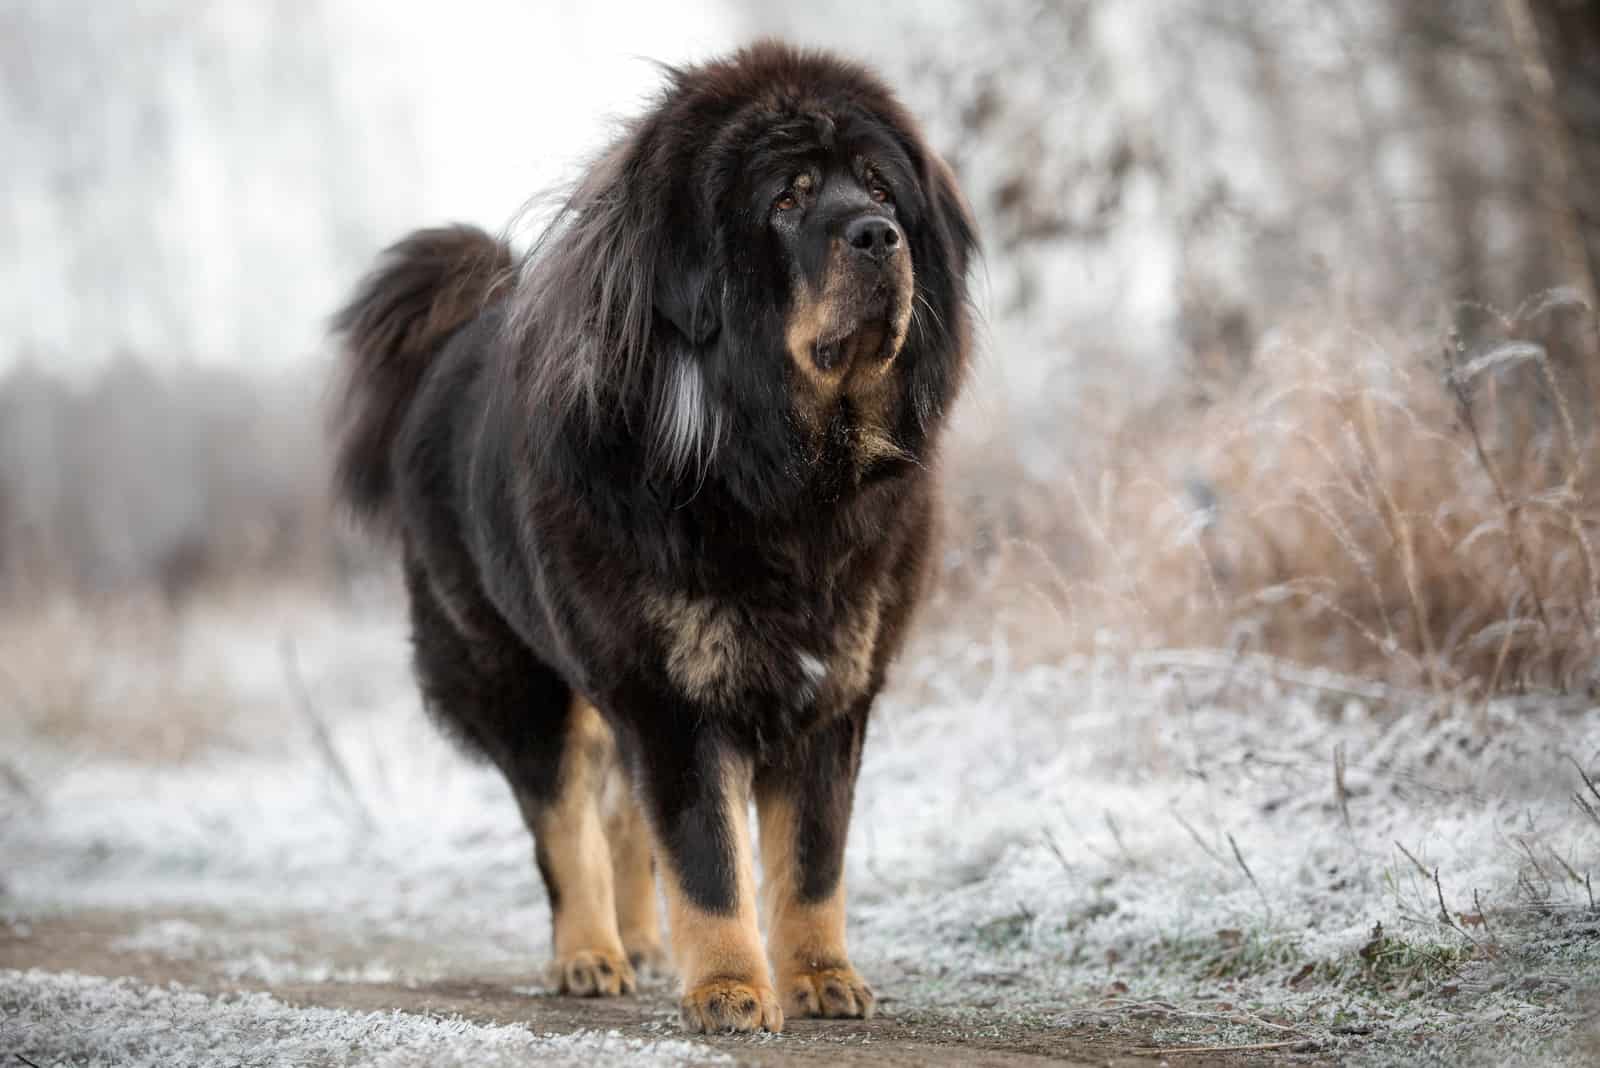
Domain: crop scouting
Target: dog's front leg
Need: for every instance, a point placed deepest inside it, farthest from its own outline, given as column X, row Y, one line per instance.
column 697, row 793
column 804, row 805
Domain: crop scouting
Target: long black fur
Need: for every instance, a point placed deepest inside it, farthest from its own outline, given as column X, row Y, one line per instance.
column 618, row 436
column 424, row 289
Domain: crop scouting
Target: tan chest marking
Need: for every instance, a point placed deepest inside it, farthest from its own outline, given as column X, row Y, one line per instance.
column 712, row 656
column 706, row 658
column 850, row 666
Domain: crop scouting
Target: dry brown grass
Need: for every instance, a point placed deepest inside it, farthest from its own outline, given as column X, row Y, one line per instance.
column 133, row 677
column 107, row 680
column 1426, row 514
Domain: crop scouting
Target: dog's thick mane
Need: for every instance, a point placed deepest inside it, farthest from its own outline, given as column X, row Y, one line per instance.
column 630, row 315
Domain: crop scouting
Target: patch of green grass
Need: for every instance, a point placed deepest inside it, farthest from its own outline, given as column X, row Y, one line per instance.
column 1227, row 954
column 1004, row 932
column 1387, row 964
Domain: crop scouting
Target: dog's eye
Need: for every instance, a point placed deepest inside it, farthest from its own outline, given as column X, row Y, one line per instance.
column 879, row 192
column 789, row 199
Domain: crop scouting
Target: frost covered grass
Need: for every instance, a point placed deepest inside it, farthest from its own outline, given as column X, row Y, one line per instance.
column 1218, row 850
column 92, row 1022
column 1215, row 844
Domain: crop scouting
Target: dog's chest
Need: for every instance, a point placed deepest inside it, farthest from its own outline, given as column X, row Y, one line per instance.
column 812, row 653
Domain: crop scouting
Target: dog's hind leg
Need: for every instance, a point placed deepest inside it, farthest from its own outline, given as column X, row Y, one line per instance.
column 554, row 750
column 633, row 873
column 575, row 858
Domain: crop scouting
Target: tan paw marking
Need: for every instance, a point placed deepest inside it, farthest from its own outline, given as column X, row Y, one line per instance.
column 730, row 1005
column 830, row 992
column 593, row 974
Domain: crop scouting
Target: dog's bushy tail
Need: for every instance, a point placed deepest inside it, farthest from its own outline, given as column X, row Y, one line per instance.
column 422, row 290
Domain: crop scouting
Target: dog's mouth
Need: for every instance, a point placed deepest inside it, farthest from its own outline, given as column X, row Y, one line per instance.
column 869, row 341
column 869, row 336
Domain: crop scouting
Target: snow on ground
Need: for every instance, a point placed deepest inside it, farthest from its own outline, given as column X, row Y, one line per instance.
column 90, row 1022
column 1157, row 835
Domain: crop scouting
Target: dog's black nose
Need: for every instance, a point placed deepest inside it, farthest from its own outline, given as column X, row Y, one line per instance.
column 873, row 236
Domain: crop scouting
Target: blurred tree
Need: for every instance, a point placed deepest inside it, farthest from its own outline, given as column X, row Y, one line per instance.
column 1559, row 45
column 190, row 181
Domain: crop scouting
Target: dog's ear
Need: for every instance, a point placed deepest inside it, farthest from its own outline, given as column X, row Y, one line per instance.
column 941, row 247
column 949, row 215
column 686, row 290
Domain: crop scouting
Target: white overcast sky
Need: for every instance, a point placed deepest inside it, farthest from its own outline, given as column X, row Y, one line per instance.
column 511, row 96
column 230, row 237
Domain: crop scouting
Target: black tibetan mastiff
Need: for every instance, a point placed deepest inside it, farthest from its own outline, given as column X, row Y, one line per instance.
column 665, row 492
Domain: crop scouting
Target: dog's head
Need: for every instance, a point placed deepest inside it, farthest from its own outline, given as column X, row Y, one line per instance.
column 851, row 276
column 777, row 262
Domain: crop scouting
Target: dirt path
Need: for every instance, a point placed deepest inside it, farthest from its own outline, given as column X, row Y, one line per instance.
column 95, row 943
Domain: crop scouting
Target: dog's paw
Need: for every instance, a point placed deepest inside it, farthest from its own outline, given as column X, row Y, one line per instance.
column 827, row 991
column 730, row 1005
column 593, row 973
column 649, row 960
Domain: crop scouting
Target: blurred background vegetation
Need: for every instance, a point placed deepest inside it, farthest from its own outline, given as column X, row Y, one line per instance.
column 1289, row 345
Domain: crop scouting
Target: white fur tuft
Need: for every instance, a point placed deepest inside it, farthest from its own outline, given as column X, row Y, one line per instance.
column 814, row 671
column 688, row 425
